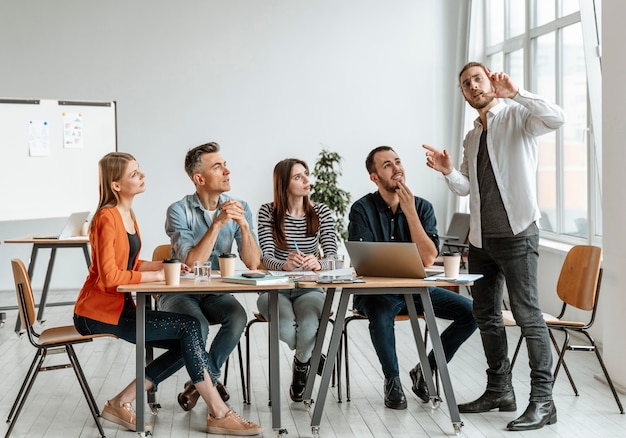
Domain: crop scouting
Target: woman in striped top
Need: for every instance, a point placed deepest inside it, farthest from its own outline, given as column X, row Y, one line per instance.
column 291, row 231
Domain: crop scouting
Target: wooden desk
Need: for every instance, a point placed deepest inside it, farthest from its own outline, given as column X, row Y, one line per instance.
column 214, row 286
column 381, row 286
column 53, row 245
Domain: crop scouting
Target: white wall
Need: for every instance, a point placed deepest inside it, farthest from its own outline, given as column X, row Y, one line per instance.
column 613, row 298
column 266, row 79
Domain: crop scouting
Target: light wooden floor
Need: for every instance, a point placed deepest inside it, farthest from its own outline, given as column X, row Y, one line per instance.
column 56, row 407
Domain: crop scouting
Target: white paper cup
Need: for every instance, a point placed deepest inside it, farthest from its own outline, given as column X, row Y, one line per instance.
column 172, row 271
column 451, row 264
column 227, row 264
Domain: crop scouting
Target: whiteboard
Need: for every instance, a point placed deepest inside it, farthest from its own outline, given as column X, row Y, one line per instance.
column 49, row 153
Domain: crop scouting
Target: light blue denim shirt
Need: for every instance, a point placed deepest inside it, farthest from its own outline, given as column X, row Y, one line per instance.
column 187, row 221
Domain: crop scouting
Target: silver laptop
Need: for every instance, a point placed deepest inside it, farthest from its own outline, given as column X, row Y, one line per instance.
column 386, row 259
column 72, row 227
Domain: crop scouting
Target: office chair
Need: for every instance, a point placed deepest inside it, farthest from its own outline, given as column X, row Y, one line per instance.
column 578, row 287
column 51, row 340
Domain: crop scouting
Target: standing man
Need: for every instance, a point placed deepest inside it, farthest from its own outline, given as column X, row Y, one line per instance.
column 201, row 226
column 499, row 173
column 393, row 214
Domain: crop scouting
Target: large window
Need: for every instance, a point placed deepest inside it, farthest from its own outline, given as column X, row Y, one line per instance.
column 546, row 46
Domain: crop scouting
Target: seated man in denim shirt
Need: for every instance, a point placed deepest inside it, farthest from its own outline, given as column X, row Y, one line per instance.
column 201, row 226
column 393, row 214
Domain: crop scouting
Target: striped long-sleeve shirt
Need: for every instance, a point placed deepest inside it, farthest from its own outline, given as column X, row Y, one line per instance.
column 275, row 258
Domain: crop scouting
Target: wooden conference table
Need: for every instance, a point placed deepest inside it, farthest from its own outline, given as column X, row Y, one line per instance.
column 52, row 244
column 214, row 286
column 381, row 286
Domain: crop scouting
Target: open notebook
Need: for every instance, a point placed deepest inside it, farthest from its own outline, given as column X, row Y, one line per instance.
column 72, row 227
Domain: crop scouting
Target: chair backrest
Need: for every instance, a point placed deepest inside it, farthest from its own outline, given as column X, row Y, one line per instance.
column 162, row 252
column 459, row 227
column 24, row 293
column 580, row 275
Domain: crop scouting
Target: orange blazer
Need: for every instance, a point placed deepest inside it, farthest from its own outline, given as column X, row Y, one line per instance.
column 99, row 299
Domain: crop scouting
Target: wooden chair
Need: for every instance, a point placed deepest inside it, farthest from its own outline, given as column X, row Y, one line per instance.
column 164, row 251
column 578, row 287
column 51, row 340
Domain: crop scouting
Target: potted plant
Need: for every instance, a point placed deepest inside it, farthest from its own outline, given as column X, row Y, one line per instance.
column 325, row 189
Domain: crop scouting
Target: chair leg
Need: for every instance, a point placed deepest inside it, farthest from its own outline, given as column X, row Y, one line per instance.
column 605, row 371
column 561, row 360
column 27, row 378
column 226, row 370
column 517, row 348
column 246, row 392
column 23, row 395
column 82, row 380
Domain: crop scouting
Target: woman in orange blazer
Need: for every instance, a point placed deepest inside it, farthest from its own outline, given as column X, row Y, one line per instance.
column 115, row 243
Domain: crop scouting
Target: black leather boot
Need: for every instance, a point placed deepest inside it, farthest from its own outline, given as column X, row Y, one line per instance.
column 298, row 381
column 394, row 395
column 419, row 384
column 536, row 415
column 504, row 401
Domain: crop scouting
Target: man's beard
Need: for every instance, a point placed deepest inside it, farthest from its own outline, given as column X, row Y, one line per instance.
column 481, row 103
column 390, row 185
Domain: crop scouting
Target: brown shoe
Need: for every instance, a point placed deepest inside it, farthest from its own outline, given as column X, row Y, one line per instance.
column 232, row 424
column 123, row 415
column 189, row 397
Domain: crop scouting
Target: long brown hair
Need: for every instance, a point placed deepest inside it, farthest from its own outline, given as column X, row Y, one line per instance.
column 282, row 177
column 111, row 168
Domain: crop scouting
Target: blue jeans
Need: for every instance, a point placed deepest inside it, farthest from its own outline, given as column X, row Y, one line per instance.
column 300, row 311
column 382, row 309
column 178, row 334
column 514, row 261
column 223, row 309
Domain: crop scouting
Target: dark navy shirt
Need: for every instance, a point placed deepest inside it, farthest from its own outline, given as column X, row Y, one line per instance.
column 371, row 220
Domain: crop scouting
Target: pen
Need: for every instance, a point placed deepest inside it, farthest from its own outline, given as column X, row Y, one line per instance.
column 297, row 249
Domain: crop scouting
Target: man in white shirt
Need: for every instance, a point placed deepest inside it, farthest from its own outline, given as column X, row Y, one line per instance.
column 499, row 174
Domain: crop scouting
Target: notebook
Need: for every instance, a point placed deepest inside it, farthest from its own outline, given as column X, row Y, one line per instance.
column 72, row 227
column 386, row 259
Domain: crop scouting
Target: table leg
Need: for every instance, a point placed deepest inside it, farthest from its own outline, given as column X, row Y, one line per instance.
column 440, row 358
column 419, row 340
column 274, row 360
column 87, row 256
column 46, row 284
column 140, row 363
column 317, row 349
column 330, row 359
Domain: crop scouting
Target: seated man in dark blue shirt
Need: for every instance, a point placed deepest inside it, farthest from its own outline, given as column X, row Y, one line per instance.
column 393, row 214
